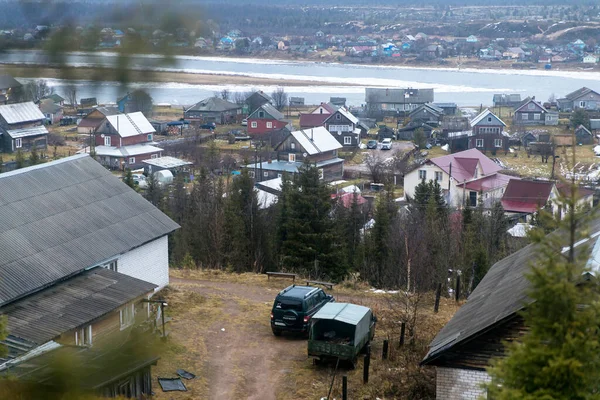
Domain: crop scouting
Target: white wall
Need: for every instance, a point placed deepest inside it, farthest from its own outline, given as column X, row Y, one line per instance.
column 460, row 384
column 411, row 180
column 149, row 262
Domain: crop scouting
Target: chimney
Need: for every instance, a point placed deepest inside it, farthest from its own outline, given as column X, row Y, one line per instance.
column 270, row 160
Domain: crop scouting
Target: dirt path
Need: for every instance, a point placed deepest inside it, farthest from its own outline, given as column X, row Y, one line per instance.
column 244, row 359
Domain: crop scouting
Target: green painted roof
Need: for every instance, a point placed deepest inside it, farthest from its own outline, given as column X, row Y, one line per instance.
column 343, row 312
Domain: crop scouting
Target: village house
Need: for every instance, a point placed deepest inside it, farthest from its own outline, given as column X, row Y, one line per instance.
column 214, row 109
column 8, row 85
column 583, row 135
column 395, row 100
column 341, row 123
column 124, row 141
column 21, row 127
column 95, row 238
column 52, row 111
column 265, row 119
column 584, row 98
column 427, row 113
column 315, row 146
column 256, row 100
column 94, row 119
column 507, row 100
column 531, row 112
column 461, row 352
column 488, row 133
column 464, row 177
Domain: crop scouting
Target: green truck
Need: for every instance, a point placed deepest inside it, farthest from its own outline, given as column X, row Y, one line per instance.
column 340, row 331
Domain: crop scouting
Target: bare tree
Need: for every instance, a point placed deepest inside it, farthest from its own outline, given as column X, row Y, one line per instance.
column 35, row 91
column 239, row 98
column 280, row 98
column 225, row 94
column 71, row 93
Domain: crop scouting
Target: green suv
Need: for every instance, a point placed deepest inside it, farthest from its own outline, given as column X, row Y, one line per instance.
column 294, row 306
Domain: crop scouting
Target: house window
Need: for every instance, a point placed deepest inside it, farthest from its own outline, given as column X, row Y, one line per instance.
column 291, row 157
column 18, row 143
column 269, row 125
column 154, row 156
column 83, row 336
column 292, row 146
column 321, row 173
column 478, row 142
column 489, row 119
column 536, row 116
column 347, row 140
column 422, row 174
column 438, row 176
column 338, row 117
column 127, row 316
column 524, row 116
column 582, row 104
column 266, row 174
column 149, row 137
column 107, row 140
column 112, row 265
column 261, row 114
column 131, row 160
column 497, row 142
column 254, row 124
column 473, row 199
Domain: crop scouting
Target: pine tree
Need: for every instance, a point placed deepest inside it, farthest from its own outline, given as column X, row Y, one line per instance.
column 559, row 355
column 422, row 193
column 128, row 178
column 154, row 192
column 19, row 159
column 34, row 157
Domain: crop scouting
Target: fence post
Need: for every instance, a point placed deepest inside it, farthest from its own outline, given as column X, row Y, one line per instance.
column 457, row 292
column 384, row 354
column 402, row 331
column 344, row 387
column 438, row 293
column 366, row 365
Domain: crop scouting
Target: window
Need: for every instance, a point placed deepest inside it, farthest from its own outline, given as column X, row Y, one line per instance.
column 321, row 173
column 422, row 174
column 154, row 156
column 438, row 176
column 531, row 106
column 269, row 125
column 497, row 142
column 18, row 143
column 126, row 316
column 489, row 119
column 266, row 174
column 261, row 114
column 107, row 140
column 253, row 124
column 131, row 160
column 582, row 104
column 149, row 137
column 524, row 116
column 291, row 157
column 112, row 265
column 83, row 336
column 338, row 117
column 473, row 199
column 478, row 142
column 292, row 146
column 536, row 116
column 347, row 140
column 320, row 111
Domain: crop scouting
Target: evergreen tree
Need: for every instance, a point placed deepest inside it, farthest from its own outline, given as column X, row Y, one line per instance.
column 580, row 117
column 1, row 163
column 154, row 192
column 128, row 178
column 283, row 212
column 422, row 193
column 19, row 159
column 559, row 355
column 34, row 157
column 379, row 246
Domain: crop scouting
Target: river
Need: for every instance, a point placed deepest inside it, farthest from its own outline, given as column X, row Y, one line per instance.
column 466, row 87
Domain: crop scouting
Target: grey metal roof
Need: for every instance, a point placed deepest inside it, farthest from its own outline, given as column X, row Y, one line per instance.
column 214, row 104
column 167, row 162
column 499, row 295
column 7, row 82
column 26, row 132
column 59, row 218
column 72, row 303
column 269, row 109
column 21, row 112
column 594, row 124
column 414, row 96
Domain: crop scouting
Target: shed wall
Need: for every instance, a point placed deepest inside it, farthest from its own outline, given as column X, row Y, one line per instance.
column 460, row 384
column 149, row 262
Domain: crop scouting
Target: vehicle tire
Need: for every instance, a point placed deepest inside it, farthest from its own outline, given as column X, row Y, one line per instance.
column 276, row 332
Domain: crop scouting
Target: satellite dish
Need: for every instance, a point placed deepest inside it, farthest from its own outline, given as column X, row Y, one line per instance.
column 304, row 154
column 102, row 136
column 340, row 132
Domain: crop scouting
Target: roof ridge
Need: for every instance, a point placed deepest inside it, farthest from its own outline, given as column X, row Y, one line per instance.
column 43, row 165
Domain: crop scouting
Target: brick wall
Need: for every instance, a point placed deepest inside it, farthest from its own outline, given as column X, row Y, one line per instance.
column 460, row 384
column 149, row 262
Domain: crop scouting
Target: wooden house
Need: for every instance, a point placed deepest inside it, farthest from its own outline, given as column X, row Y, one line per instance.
column 265, row 119
column 584, row 98
column 381, row 100
column 8, row 86
column 21, row 127
column 256, row 100
column 214, row 109
column 531, row 112
column 428, row 114
column 488, row 133
column 315, row 146
column 52, row 111
column 92, row 121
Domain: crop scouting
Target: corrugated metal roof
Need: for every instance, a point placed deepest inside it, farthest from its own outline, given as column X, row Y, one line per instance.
column 72, row 303
column 25, row 132
column 344, row 312
column 125, row 151
column 133, row 124
column 316, row 140
column 7, row 82
column 484, row 114
column 21, row 112
column 58, row 218
column 167, row 162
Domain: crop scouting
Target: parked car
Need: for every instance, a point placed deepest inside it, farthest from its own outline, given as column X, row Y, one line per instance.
column 208, row 125
column 244, row 122
column 140, row 180
column 294, row 306
column 341, row 331
column 386, row 144
column 372, row 144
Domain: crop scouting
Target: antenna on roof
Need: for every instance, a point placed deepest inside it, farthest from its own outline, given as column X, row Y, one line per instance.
column 311, row 135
